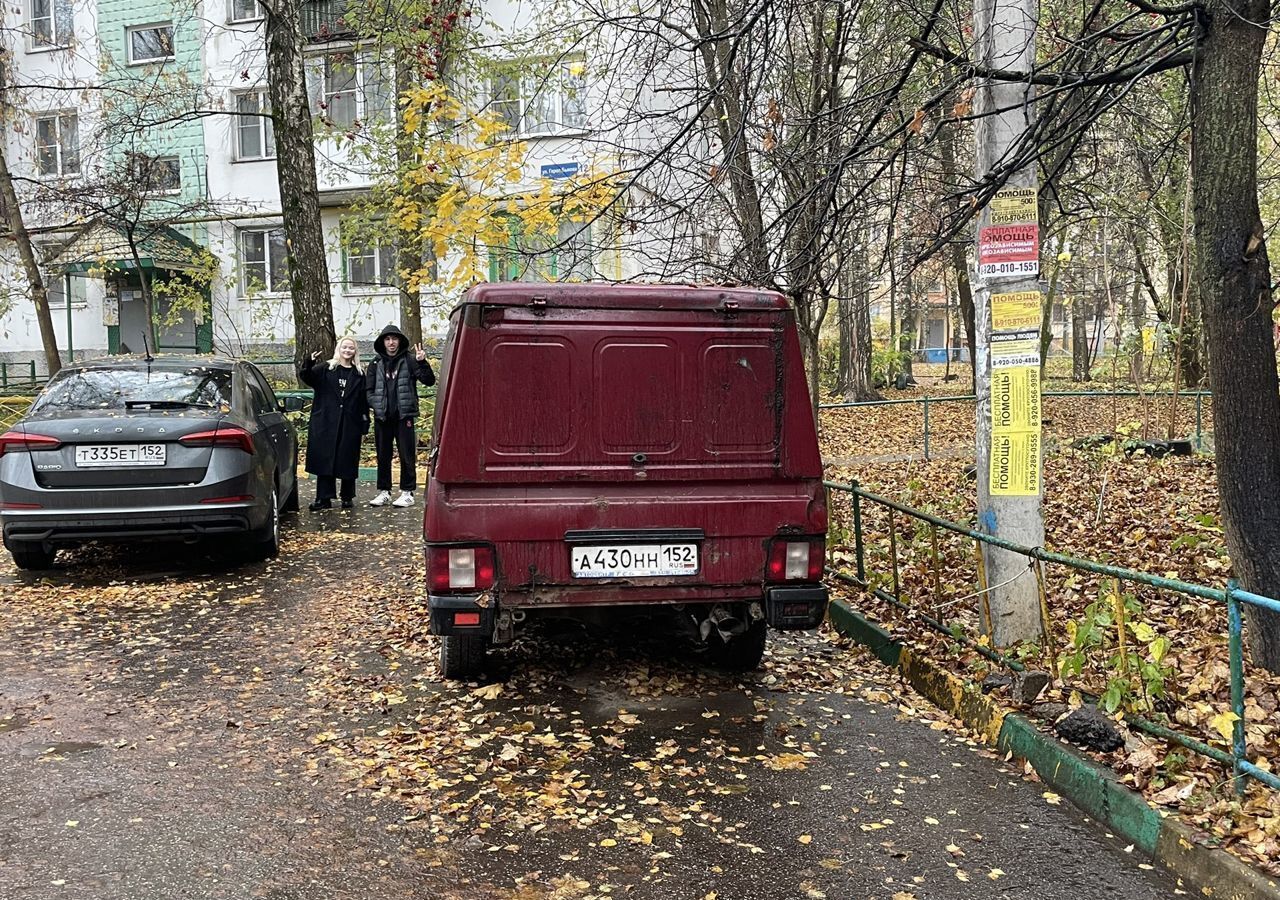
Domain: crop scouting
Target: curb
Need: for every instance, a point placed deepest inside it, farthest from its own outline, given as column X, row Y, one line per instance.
column 1091, row 787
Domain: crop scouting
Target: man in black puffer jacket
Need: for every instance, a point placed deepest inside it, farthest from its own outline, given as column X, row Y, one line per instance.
column 391, row 383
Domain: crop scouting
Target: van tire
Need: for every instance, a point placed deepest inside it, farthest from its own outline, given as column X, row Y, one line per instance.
column 462, row 656
column 744, row 652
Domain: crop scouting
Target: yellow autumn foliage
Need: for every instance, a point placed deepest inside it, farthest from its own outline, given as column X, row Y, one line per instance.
column 460, row 195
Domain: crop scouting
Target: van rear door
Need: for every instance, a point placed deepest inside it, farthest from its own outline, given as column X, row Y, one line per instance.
column 636, row 415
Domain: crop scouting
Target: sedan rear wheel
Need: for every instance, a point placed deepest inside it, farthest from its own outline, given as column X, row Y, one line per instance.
column 32, row 556
column 291, row 502
column 264, row 543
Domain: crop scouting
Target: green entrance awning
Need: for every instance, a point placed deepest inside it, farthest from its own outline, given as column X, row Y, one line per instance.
column 101, row 248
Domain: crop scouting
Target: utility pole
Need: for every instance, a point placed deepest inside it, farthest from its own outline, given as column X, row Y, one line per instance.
column 1007, row 312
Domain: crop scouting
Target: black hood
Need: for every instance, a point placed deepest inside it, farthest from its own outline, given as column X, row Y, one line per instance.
column 381, row 349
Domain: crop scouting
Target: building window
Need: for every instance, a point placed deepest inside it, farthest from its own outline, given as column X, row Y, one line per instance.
column 263, row 261
column 154, row 174
column 58, row 145
column 51, row 23
column 549, row 102
column 255, row 133
column 371, row 265
column 347, row 88
column 568, row 256
column 244, row 11
column 150, row 43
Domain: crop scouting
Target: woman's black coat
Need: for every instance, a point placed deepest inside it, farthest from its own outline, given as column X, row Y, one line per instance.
column 338, row 421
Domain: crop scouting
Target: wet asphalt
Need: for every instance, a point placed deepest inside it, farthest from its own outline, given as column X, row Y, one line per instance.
column 173, row 725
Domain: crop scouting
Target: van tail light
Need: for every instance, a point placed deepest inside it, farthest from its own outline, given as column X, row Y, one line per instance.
column 795, row 559
column 453, row 569
column 19, row 441
column 223, row 436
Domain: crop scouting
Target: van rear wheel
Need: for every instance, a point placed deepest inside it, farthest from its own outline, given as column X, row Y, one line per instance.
column 743, row 652
column 462, row 656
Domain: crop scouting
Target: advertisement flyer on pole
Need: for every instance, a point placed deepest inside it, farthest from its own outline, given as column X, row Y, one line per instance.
column 1015, row 464
column 1015, row 312
column 1015, row 399
column 1012, row 250
column 1015, row 348
column 1015, row 206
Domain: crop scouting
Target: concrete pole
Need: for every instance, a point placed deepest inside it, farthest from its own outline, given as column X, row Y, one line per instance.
column 1010, row 506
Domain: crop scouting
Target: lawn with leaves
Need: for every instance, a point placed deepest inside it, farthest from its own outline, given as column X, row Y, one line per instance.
column 1156, row 515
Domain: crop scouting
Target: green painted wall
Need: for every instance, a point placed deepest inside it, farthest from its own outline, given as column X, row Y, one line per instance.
column 184, row 139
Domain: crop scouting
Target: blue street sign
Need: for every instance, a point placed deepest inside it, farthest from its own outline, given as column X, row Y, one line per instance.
column 560, row 170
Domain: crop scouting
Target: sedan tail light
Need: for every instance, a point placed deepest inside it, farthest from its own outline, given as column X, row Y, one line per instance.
column 795, row 559
column 223, row 436
column 19, row 441
column 460, row 568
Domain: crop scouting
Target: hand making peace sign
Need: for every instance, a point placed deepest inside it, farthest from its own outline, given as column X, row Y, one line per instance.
column 419, row 352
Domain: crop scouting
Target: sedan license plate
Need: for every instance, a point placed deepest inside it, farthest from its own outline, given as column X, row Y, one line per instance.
column 634, row 561
column 121, row 455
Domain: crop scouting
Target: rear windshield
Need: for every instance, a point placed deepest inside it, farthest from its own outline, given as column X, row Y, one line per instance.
column 197, row 386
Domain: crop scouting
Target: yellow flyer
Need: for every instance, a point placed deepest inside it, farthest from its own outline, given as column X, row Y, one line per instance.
column 1015, row 399
column 1015, row 464
column 1015, row 312
column 1015, row 206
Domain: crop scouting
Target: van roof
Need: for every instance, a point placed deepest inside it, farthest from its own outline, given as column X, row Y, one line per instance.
column 597, row 295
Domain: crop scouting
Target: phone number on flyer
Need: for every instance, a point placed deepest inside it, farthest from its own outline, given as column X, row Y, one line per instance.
column 1027, row 267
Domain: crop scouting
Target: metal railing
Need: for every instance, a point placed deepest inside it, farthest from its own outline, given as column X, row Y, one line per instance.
column 1231, row 596
column 926, row 401
column 20, row 376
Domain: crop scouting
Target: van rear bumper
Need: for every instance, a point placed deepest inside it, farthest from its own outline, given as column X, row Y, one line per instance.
column 794, row 608
column 460, row 615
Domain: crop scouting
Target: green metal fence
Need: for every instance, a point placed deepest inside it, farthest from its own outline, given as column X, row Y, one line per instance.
column 1230, row 595
column 927, row 401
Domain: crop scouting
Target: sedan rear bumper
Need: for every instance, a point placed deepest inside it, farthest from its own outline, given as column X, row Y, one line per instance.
column 175, row 522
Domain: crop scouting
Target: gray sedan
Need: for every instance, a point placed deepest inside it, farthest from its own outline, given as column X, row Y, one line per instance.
column 136, row 449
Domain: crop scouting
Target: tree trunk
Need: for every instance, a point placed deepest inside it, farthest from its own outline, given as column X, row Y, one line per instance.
column 844, row 321
column 39, row 295
column 947, row 157
column 409, row 247
column 965, row 290
column 1235, row 290
column 855, row 330
column 1079, row 341
column 296, row 171
column 1046, row 315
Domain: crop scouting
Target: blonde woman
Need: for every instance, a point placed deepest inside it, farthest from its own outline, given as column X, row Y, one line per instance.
column 339, row 420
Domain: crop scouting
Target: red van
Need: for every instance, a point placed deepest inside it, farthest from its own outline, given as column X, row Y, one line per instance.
column 608, row 449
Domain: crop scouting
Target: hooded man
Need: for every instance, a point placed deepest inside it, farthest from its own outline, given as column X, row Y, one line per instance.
column 391, row 383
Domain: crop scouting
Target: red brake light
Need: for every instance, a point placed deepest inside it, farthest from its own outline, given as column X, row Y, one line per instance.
column 454, row 569
column 795, row 559
column 17, row 441
column 223, row 436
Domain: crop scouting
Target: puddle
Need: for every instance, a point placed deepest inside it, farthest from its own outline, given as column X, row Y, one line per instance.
column 70, row 748
column 12, row 723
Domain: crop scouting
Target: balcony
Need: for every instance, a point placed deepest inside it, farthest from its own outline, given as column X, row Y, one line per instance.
column 323, row 21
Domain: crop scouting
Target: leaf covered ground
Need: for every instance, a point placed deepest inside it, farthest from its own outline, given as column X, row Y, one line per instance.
column 178, row 725
column 1156, row 515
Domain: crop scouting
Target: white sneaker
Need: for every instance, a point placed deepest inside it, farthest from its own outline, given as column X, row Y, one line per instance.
column 405, row 499
column 381, row 499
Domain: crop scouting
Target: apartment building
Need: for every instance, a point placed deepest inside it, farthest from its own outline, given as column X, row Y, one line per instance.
column 82, row 76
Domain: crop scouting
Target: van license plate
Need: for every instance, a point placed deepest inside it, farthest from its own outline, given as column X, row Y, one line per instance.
column 634, row 561
column 119, row 455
